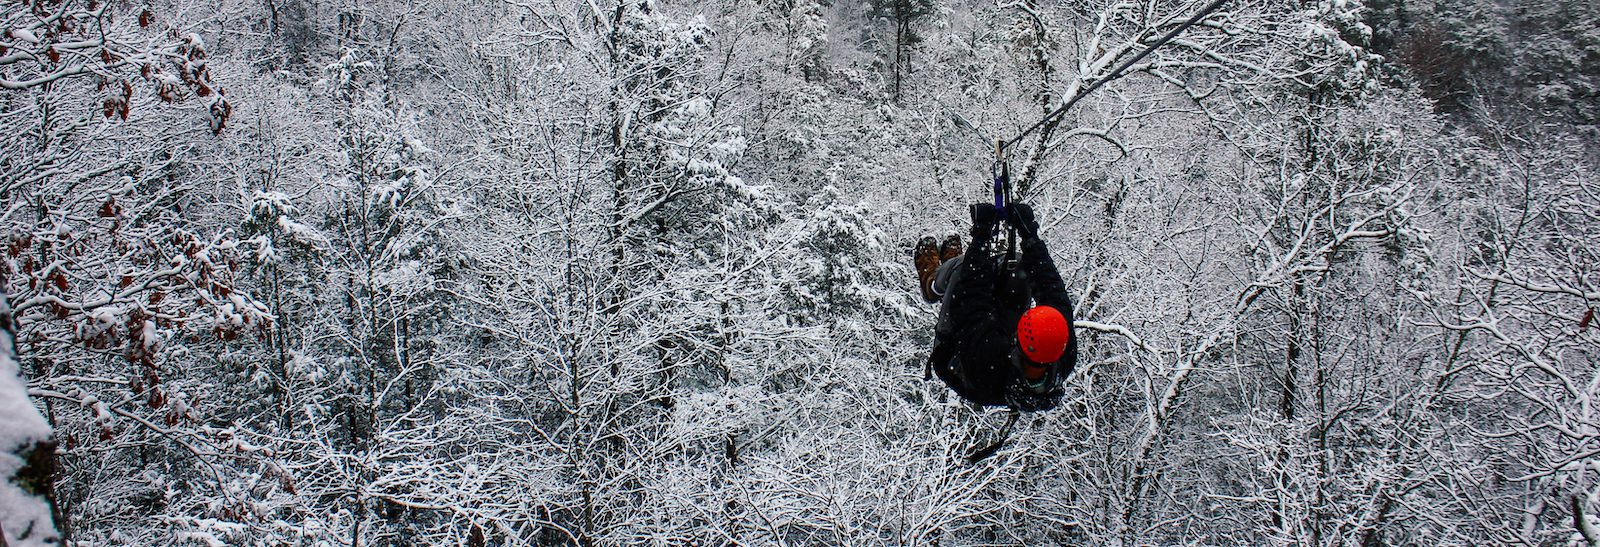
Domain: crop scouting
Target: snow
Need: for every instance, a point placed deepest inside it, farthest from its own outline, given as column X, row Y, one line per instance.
column 207, row 530
column 21, row 425
column 264, row 253
column 302, row 233
column 25, row 35
column 730, row 149
column 272, row 203
column 408, row 278
column 416, row 148
column 205, row 538
column 99, row 321
column 151, row 339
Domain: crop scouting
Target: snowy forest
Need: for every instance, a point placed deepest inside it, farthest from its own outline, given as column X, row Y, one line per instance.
column 638, row 272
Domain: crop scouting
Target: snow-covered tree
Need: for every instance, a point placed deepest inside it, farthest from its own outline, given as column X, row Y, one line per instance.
column 538, row 272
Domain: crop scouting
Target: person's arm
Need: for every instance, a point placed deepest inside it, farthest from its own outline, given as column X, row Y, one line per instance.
column 1048, row 290
column 971, row 300
column 1044, row 279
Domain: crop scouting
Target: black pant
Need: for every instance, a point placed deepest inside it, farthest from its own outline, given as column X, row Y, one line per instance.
column 944, row 280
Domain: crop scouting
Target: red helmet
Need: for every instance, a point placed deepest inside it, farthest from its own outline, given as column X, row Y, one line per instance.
column 1042, row 334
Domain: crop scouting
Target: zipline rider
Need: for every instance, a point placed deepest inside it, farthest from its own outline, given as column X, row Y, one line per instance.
column 990, row 346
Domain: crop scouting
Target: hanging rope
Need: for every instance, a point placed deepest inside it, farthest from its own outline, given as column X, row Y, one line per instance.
column 1001, row 170
column 1002, row 181
column 1115, row 73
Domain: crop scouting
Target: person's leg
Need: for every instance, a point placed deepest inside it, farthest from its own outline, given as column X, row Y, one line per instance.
column 948, row 275
column 966, row 284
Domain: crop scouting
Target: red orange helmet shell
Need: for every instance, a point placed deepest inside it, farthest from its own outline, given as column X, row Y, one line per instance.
column 1042, row 333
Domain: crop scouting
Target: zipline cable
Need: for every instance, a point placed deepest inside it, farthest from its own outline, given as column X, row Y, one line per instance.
column 1115, row 73
column 1000, row 170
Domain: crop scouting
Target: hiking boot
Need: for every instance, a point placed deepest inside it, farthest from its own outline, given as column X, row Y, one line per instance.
column 926, row 259
column 951, row 248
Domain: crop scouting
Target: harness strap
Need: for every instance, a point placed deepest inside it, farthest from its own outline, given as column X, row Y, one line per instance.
column 1005, row 434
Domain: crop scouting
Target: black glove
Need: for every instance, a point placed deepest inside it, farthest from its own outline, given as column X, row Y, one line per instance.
column 1020, row 217
column 983, row 218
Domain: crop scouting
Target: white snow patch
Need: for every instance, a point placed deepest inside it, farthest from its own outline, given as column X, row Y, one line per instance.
column 21, row 425
column 302, row 233
column 25, row 35
column 272, row 203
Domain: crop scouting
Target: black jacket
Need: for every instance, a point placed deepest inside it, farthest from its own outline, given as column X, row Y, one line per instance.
column 974, row 356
